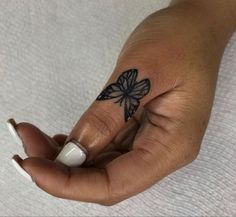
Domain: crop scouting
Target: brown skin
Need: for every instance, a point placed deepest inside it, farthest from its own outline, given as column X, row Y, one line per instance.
column 179, row 49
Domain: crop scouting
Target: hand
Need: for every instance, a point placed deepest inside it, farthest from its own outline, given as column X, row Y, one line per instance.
column 178, row 51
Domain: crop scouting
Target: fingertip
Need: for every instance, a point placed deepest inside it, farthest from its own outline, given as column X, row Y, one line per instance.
column 47, row 174
column 17, row 163
column 36, row 142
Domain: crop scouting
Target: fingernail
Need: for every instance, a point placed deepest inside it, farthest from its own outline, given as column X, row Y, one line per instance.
column 72, row 154
column 21, row 170
column 11, row 124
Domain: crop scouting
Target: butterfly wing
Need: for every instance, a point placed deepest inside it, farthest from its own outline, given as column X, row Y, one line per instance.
column 131, row 102
column 110, row 92
column 130, row 105
column 127, row 79
column 140, row 89
column 127, row 91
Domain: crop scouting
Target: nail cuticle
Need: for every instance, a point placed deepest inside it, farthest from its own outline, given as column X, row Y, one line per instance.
column 79, row 145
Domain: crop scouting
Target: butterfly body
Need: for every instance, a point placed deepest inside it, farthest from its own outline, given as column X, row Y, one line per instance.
column 127, row 91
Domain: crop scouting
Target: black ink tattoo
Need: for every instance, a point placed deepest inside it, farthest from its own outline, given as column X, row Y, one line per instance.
column 127, row 91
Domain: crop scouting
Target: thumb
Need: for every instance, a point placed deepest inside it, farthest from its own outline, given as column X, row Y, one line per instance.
column 126, row 91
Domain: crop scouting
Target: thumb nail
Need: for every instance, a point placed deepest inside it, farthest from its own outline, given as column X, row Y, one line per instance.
column 73, row 154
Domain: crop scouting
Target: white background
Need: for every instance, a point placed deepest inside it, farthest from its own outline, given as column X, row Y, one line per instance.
column 55, row 57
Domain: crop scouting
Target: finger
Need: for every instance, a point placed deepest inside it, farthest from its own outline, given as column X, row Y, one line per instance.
column 105, row 118
column 112, row 109
column 123, row 177
column 161, row 146
column 60, row 139
column 55, row 179
column 102, row 160
column 35, row 142
column 123, row 140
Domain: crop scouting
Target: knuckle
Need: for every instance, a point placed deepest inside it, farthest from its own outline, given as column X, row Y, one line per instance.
column 102, row 121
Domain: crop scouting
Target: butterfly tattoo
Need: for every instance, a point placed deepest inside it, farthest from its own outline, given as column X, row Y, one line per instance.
column 127, row 91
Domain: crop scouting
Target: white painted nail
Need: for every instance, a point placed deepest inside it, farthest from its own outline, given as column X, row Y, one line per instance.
column 72, row 154
column 21, row 170
column 11, row 127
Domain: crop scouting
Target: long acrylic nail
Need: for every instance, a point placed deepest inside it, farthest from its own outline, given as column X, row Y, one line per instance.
column 20, row 169
column 11, row 125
